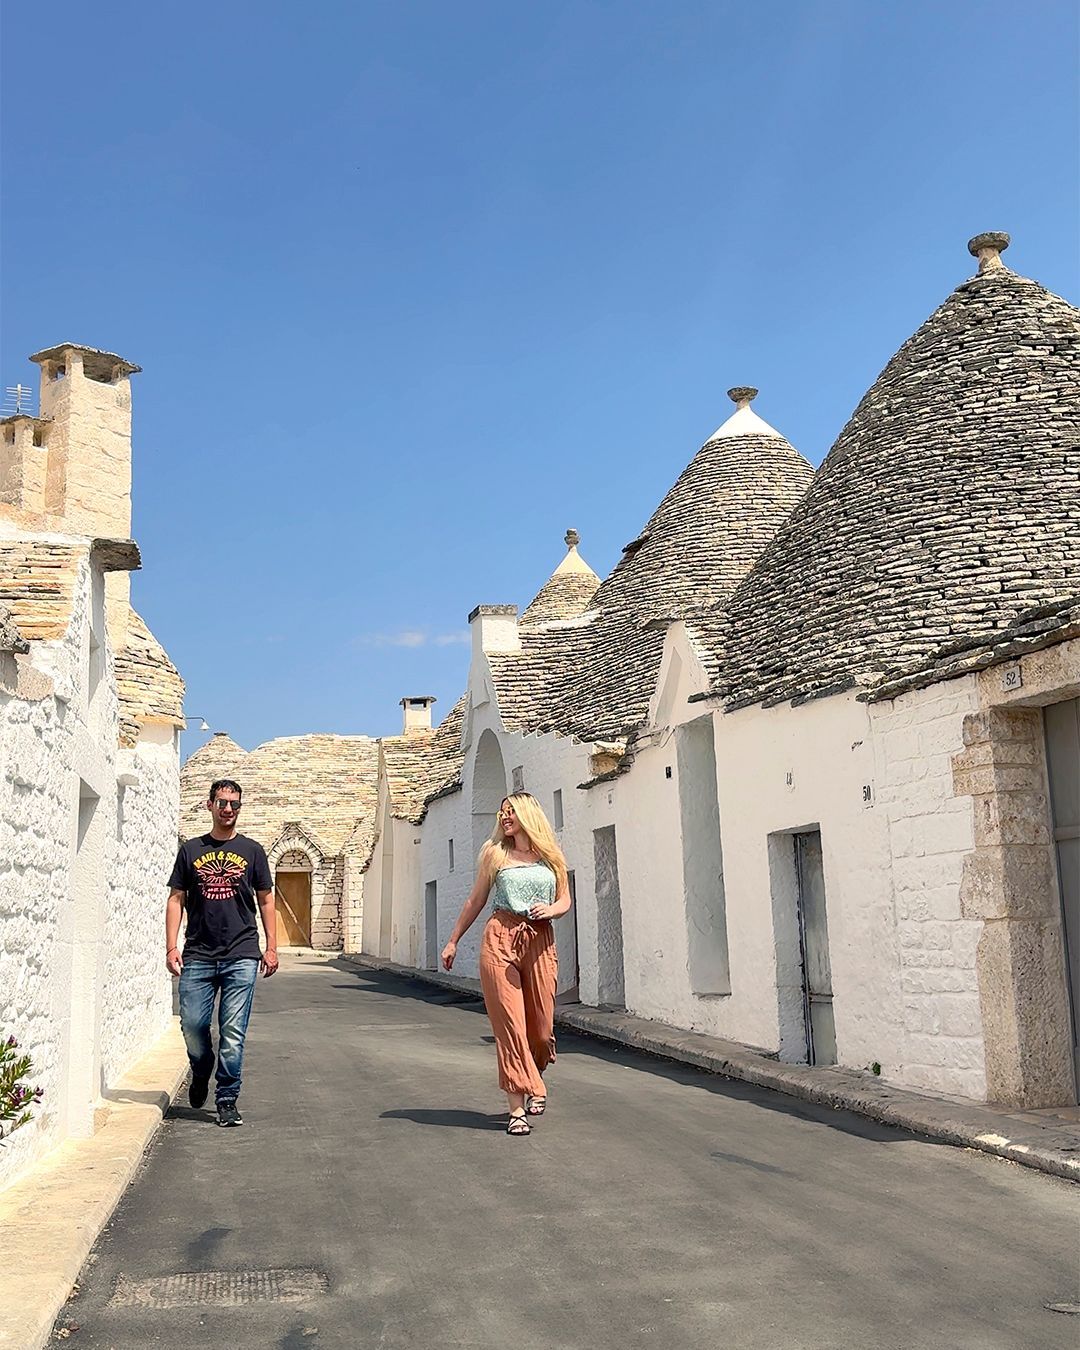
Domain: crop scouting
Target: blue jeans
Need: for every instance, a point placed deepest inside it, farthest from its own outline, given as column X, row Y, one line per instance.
column 200, row 982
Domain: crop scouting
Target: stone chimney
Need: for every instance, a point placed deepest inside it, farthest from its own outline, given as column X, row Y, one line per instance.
column 86, row 408
column 494, row 629
column 24, row 462
column 416, row 714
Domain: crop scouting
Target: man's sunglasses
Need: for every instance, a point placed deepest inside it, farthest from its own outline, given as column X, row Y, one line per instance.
column 224, row 804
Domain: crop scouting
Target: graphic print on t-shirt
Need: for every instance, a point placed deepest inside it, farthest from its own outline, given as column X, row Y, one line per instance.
column 221, row 880
column 220, row 874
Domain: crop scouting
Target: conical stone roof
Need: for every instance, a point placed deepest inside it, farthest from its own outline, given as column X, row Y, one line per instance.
column 567, row 592
column 326, row 783
column 948, row 506
column 713, row 524
column 593, row 676
column 220, row 757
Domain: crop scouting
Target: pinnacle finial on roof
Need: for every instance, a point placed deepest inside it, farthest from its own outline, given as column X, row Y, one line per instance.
column 742, row 395
column 988, row 248
column 571, row 538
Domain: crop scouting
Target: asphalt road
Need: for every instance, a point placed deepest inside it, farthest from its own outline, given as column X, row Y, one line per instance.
column 652, row 1206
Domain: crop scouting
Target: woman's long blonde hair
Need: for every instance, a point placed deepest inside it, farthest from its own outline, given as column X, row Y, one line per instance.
column 495, row 855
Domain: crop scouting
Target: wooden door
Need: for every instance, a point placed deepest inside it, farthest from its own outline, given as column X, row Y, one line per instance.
column 814, row 950
column 292, row 892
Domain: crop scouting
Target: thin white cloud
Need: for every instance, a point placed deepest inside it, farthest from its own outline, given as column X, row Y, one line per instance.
column 410, row 637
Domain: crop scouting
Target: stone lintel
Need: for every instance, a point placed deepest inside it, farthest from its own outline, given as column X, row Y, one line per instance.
column 116, row 555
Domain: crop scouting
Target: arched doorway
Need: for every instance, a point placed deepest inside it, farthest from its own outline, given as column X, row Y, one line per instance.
column 292, row 894
column 488, row 788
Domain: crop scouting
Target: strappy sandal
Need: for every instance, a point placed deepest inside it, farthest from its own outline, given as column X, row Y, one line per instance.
column 518, row 1124
column 535, row 1106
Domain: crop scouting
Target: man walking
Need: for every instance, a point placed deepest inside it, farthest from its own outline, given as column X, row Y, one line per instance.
column 217, row 878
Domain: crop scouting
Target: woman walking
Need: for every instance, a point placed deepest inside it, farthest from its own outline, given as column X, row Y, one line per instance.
column 523, row 869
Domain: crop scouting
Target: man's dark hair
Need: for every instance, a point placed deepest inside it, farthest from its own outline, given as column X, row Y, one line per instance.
column 224, row 783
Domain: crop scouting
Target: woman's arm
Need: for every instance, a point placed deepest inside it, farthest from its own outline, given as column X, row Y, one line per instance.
column 469, row 910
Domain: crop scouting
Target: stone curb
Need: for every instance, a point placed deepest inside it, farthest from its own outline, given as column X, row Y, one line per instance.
column 1052, row 1148
column 52, row 1217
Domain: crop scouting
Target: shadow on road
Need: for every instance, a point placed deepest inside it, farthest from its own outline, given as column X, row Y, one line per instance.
column 641, row 1061
column 204, row 1114
column 458, row 1120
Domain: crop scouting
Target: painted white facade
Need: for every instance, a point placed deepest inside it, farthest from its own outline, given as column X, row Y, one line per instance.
column 883, row 783
column 87, row 837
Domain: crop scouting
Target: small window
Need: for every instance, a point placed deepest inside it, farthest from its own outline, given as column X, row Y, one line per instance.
column 39, row 437
column 450, row 853
column 556, row 811
column 518, row 778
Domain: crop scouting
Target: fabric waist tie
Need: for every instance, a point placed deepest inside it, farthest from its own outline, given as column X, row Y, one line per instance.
column 525, row 929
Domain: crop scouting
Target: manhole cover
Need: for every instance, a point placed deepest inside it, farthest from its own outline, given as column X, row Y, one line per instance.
column 219, row 1288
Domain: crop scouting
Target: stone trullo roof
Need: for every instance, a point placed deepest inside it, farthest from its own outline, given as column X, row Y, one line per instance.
column 422, row 764
column 567, row 592
column 592, row 676
column 38, row 582
column 149, row 687
column 326, row 784
column 216, row 759
column 948, row 506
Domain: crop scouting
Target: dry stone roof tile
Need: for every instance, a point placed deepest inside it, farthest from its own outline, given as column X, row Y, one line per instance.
column 949, row 505
column 567, row 592
column 424, row 764
column 1031, row 631
column 593, row 676
column 149, row 686
column 37, row 585
column 327, row 784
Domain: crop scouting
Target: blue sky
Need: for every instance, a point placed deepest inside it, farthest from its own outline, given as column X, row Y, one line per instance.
column 416, row 286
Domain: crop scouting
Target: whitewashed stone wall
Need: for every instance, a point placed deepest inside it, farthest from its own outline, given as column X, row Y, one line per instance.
column 407, row 929
column 448, row 818
column 137, row 990
column 785, row 770
column 36, row 751
column 83, row 987
column 39, row 748
column 931, row 831
column 547, row 763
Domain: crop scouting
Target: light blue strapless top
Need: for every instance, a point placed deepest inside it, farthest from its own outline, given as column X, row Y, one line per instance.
column 522, row 885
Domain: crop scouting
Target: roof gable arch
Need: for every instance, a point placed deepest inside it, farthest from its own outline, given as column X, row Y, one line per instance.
column 293, row 835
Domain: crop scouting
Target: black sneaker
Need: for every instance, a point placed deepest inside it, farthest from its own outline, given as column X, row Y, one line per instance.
column 227, row 1114
column 197, row 1092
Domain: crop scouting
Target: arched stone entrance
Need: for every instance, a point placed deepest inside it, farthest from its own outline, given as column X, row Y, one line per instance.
column 488, row 788
column 297, row 864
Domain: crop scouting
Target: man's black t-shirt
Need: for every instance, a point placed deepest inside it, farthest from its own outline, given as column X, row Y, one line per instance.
column 221, row 877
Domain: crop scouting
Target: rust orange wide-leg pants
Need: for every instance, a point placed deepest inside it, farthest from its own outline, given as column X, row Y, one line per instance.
column 519, row 969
